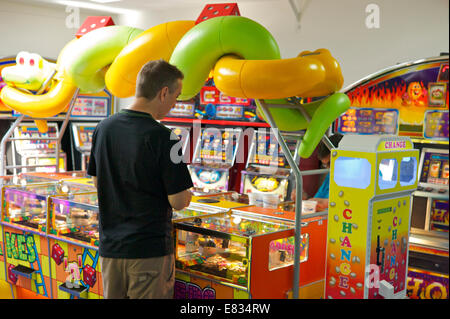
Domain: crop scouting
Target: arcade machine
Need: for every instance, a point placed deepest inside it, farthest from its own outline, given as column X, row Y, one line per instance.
column 184, row 135
column 211, row 117
column 214, row 159
column 428, row 272
column 373, row 180
column 411, row 99
column 87, row 112
column 267, row 170
column 31, row 152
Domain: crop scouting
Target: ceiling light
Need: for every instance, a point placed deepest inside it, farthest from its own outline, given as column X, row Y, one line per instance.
column 94, row 6
column 105, row 1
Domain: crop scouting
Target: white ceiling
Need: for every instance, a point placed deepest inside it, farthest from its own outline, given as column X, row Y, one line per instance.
column 137, row 5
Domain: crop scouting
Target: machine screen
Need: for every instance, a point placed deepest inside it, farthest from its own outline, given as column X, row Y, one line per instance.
column 267, row 151
column 368, row 121
column 435, row 168
column 218, row 146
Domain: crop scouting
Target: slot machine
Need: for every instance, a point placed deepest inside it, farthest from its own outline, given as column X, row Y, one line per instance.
column 183, row 132
column 87, row 112
column 33, row 152
column 214, row 158
column 267, row 170
column 208, row 113
column 428, row 266
column 411, row 99
column 82, row 138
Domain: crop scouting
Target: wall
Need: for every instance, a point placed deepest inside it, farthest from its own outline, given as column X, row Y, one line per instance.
column 39, row 28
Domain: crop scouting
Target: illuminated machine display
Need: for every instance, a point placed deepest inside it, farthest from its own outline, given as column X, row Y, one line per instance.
column 214, row 158
column 371, row 186
column 428, row 266
column 184, row 134
column 82, row 137
column 267, row 170
column 411, row 99
column 88, row 110
column 31, row 152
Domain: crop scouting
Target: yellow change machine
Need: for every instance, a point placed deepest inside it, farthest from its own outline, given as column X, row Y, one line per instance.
column 372, row 179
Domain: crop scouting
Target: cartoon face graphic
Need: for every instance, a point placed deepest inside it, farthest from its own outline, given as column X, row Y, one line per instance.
column 415, row 90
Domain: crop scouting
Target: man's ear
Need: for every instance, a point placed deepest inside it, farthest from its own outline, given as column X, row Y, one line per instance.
column 163, row 93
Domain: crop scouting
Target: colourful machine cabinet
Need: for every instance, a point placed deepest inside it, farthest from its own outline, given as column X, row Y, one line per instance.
column 234, row 255
column 313, row 246
column 73, row 246
column 214, row 158
column 24, row 223
column 371, row 185
column 267, row 170
column 24, row 216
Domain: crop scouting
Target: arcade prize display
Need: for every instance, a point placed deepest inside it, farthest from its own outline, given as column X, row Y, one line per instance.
column 411, row 99
column 373, row 179
column 24, row 228
column 267, row 170
column 233, row 256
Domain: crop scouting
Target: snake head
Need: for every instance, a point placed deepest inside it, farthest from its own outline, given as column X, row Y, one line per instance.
column 30, row 71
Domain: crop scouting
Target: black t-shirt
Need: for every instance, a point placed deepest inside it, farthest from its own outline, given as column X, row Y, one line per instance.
column 131, row 158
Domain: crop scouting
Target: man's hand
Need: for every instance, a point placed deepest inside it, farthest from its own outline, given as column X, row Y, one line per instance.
column 180, row 200
column 294, row 195
column 322, row 203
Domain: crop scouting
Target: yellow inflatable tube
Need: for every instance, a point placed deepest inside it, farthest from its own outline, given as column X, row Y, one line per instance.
column 44, row 105
column 311, row 74
column 153, row 44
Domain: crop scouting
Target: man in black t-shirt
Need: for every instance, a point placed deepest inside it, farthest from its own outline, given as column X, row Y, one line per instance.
column 138, row 184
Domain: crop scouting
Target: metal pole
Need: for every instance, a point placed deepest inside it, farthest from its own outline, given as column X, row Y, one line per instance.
column 5, row 139
column 325, row 138
column 298, row 192
column 63, row 127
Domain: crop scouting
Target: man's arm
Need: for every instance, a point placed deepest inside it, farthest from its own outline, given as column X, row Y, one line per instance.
column 94, row 178
column 180, row 200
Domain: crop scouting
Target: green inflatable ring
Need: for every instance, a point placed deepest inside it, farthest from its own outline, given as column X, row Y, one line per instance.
column 200, row 48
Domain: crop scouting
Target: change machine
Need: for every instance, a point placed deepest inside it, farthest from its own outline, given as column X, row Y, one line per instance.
column 371, row 186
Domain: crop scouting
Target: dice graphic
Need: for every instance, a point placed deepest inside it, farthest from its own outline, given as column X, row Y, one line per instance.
column 57, row 254
column 11, row 276
column 217, row 10
column 89, row 275
column 92, row 23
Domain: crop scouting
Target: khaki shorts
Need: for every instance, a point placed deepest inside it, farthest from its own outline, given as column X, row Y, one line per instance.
column 143, row 278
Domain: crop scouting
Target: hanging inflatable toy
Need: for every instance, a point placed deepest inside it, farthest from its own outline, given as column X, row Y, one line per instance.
column 240, row 54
